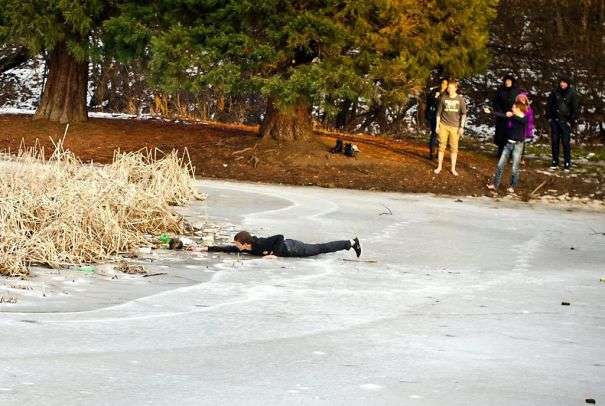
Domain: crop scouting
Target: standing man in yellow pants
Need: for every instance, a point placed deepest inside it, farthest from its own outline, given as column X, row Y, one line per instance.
column 451, row 117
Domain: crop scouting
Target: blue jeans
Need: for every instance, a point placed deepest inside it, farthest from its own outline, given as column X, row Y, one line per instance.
column 516, row 150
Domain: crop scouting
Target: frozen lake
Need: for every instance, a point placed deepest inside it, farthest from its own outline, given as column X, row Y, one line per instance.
column 461, row 305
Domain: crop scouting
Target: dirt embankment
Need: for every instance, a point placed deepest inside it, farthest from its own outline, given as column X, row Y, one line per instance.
column 233, row 152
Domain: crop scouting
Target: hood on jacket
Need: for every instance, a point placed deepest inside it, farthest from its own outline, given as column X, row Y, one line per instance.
column 512, row 79
column 566, row 79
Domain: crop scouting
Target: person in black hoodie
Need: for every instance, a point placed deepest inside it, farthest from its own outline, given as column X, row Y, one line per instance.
column 432, row 103
column 562, row 112
column 278, row 246
column 514, row 146
column 502, row 103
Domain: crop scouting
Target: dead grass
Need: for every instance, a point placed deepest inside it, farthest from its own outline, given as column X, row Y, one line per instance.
column 59, row 212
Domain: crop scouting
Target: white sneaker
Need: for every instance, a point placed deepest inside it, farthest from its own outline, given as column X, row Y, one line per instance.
column 510, row 190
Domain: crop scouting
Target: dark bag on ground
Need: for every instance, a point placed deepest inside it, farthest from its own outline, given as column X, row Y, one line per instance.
column 351, row 150
column 337, row 149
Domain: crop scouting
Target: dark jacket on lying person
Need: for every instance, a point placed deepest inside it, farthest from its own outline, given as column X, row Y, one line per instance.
column 278, row 246
column 260, row 246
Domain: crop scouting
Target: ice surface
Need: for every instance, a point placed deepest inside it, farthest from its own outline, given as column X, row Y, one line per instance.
column 463, row 306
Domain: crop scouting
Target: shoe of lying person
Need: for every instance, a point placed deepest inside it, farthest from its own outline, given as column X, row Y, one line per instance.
column 356, row 247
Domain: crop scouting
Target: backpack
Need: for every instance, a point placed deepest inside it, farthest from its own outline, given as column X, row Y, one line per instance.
column 351, row 150
column 337, row 149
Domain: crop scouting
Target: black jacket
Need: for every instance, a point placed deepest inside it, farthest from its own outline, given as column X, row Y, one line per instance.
column 503, row 102
column 432, row 102
column 504, row 99
column 260, row 246
column 563, row 105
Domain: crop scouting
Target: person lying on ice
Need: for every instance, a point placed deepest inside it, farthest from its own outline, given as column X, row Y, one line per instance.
column 277, row 246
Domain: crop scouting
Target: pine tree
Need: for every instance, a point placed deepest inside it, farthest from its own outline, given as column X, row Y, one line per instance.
column 306, row 55
column 303, row 56
column 64, row 32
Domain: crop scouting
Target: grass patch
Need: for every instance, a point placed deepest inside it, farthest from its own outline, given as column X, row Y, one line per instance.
column 59, row 212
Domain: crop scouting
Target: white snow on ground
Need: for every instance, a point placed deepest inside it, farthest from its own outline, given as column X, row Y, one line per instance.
column 16, row 110
column 28, row 79
column 92, row 114
column 462, row 305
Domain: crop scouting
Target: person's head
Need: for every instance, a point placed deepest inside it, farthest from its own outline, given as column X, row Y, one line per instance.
column 175, row 244
column 444, row 83
column 508, row 80
column 243, row 240
column 564, row 82
column 523, row 98
column 452, row 86
column 519, row 107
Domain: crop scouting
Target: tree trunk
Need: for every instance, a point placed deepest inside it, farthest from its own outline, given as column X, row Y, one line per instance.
column 64, row 96
column 291, row 124
column 344, row 114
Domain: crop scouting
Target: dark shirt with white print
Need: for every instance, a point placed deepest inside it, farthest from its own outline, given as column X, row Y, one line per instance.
column 452, row 110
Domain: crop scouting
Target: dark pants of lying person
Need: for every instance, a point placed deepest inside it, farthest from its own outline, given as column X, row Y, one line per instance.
column 294, row 248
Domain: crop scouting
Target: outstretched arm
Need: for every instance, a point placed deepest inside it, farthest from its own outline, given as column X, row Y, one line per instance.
column 223, row 248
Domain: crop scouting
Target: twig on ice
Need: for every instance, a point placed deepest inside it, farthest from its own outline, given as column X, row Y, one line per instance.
column 389, row 212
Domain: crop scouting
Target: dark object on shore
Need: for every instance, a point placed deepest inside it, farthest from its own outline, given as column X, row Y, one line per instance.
column 591, row 401
column 572, row 248
column 347, row 149
column 351, row 150
column 175, row 244
column 565, row 303
column 337, row 149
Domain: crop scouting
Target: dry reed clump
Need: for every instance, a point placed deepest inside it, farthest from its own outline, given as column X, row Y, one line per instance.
column 59, row 212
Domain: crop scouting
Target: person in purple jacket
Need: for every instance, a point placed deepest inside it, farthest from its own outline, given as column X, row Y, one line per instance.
column 514, row 146
column 523, row 98
column 501, row 104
